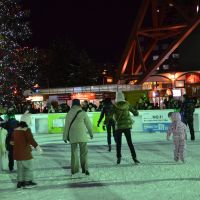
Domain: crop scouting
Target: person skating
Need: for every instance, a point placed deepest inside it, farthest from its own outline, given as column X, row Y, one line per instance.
column 187, row 111
column 10, row 124
column 22, row 140
column 178, row 129
column 76, row 123
column 124, row 124
column 109, row 122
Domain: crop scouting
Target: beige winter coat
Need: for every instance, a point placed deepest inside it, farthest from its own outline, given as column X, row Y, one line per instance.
column 80, row 126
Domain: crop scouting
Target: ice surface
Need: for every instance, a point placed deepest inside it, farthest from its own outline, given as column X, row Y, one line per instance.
column 158, row 177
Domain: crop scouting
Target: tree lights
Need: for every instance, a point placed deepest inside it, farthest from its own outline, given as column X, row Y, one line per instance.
column 18, row 64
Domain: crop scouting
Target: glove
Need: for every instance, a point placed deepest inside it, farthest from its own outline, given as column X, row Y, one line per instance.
column 104, row 127
column 98, row 125
column 39, row 149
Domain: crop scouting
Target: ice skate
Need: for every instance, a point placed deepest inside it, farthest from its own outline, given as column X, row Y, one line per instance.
column 136, row 161
column 20, row 184
column 30, row 184
column 118, row 161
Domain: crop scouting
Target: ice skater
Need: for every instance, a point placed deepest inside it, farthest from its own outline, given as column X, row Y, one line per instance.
column 109, row 122
column 178, row 129
column 77, row 123
column 21, row 140
column 124, row 124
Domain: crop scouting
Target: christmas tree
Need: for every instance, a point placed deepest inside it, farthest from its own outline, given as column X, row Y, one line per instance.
column 18, row 64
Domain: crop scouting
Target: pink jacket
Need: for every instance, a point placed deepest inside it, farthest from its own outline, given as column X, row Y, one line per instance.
column 177, row 128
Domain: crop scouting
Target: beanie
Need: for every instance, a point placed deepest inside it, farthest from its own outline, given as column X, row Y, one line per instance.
column 26, row 118
column 119, row 96
column 76, row 102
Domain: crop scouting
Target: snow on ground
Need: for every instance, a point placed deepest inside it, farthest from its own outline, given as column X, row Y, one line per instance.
column 158, row 177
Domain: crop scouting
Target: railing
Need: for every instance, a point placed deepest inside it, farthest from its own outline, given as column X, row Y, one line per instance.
column 96, row 88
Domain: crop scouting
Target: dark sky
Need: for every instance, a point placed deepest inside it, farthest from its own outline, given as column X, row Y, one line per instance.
column 101, row 27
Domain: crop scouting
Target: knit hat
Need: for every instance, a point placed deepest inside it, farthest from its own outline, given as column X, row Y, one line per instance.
column 119, row 96
column 26, row 118
column 76, row 102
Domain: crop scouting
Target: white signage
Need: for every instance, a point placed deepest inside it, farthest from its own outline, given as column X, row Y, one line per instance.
column 155, row 117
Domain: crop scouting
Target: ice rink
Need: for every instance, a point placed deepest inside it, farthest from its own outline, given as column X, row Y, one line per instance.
column 158, row 177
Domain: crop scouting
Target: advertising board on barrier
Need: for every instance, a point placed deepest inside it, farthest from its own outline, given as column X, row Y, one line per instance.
column 155, row 121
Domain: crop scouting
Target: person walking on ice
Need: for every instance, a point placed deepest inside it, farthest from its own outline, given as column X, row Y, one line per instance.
column 22, row 140
column 77, row 123
column 124, row 124
column 178, row 129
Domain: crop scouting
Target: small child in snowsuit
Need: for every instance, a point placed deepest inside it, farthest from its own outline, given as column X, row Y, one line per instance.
column 178, row 129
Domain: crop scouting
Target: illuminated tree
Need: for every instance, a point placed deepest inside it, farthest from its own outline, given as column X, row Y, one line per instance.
column 18, row 64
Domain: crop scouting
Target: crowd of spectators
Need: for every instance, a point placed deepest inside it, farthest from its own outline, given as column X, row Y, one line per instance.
column 143, row 103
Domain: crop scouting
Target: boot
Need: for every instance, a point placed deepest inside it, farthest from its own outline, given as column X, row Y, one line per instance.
column 118, row 160
column 20, row 184
column 136, row 161
column 109, row 148
column 30, row 184
column 87, row 173
column 192, row 137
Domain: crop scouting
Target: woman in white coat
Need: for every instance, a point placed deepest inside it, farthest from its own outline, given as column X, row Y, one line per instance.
column 77, row 124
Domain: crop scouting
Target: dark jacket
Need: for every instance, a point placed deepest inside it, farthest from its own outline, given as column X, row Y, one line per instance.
column 107, row 111
column 188, row 108
column 10, row 125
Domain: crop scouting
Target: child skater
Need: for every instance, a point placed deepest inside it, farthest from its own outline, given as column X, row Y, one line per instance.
column 178, row 129
column 22, row 140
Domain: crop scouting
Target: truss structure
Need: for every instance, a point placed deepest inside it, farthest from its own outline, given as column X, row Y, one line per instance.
column 160, row 27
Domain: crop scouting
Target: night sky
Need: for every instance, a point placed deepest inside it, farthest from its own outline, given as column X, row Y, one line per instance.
column 101, row 27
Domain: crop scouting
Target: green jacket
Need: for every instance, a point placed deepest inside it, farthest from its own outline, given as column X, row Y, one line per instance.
column 122, row 115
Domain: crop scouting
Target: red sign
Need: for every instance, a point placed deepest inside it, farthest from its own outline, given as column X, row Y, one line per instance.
column 64, row 97
column 192, row 78
column 83, row 96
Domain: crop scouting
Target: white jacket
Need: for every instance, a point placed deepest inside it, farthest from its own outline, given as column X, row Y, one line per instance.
column 80, row 126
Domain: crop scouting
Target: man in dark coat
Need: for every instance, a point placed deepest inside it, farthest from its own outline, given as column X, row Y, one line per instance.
column 187, row 111
column 10, row 125
column 109, row 122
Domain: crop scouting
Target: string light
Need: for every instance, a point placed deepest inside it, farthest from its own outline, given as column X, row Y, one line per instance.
column 18, row 64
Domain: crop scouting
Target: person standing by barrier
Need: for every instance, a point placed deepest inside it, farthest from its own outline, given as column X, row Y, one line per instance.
column 76, row 123
column 124, row 124
column 109, row 122
column 21, row 140
column 187, row 112
column 10, row 124
column 178, row 129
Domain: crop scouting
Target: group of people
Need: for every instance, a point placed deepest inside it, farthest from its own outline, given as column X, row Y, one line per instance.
column 18, row 142
column 117, row 120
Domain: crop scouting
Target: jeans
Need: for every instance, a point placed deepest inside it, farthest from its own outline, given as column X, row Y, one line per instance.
column 127, row 133
column 189, row 122
column 110, row 126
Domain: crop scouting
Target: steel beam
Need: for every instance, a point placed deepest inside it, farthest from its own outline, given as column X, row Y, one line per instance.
column 170, row 50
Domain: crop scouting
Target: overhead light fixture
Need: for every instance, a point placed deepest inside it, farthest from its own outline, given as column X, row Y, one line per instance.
column 197, row 8
column 171, row 4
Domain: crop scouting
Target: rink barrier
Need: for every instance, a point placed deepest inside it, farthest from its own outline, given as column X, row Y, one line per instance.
column 147, row 121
